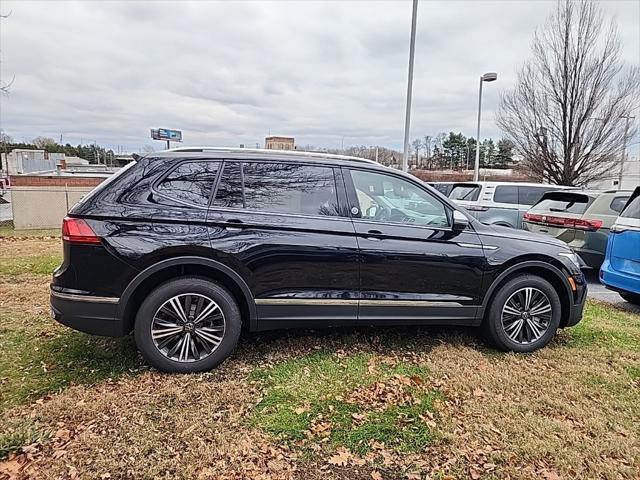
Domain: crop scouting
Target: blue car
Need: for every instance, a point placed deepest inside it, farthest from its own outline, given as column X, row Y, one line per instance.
column 621, row 268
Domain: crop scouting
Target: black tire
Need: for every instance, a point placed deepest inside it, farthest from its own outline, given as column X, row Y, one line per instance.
column 493, row 322
column 231, row 322
column 631, row 297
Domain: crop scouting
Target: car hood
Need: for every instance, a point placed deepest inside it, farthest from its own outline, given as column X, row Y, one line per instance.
column 512, row 233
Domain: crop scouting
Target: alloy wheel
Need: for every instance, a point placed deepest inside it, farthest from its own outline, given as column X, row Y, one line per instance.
column 526, row 315
column 188, row 327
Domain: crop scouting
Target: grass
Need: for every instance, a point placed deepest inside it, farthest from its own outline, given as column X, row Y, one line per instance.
column 313, row 391
column 313, row 404
column 9, row 231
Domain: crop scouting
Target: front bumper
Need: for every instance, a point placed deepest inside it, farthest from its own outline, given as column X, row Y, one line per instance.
column 86, row 313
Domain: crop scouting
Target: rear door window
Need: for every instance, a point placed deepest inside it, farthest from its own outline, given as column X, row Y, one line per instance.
column 278, row 188
column 188, row 183
column 465, row 192
column 506, row 194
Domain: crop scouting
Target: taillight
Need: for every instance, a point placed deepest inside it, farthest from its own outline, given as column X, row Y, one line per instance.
column 589, row 225
column 76, row 230
column 564, row 222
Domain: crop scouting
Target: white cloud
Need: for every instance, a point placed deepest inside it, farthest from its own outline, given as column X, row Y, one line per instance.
column 231, row 72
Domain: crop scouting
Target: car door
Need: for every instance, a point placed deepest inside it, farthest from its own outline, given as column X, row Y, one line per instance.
column 413, row 264
column 286, row 227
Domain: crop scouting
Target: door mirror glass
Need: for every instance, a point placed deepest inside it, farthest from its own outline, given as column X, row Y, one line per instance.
column 460, row 221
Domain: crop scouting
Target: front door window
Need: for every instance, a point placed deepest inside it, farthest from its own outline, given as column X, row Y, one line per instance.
column 387, row 198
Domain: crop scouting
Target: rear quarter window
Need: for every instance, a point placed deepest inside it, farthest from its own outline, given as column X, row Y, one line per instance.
column 531, row 195
column 189, row 182
column 618, row 203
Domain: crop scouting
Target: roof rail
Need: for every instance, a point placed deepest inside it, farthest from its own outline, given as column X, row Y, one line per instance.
column 265, row 151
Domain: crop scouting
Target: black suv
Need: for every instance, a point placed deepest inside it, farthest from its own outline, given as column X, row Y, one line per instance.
column 188, row 246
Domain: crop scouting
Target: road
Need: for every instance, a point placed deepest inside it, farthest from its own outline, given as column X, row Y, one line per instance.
column 599, row 292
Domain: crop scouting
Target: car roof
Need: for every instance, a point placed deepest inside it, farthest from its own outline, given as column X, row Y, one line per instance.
column 288, row 155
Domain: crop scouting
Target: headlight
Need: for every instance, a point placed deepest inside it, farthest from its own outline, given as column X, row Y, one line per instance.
column 572, row 257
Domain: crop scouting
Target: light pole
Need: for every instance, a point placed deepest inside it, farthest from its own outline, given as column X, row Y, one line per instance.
column 624, row 148
column 487, row 77
column 407, row 118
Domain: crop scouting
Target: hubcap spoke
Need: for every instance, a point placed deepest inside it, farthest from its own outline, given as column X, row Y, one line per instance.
column 188, row 327
column 526, row 315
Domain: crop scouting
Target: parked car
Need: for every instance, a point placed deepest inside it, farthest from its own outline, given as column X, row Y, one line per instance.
column 621, row 268
column 499, row 203
column 185, row 247
column 582, row 219
column 443, row 187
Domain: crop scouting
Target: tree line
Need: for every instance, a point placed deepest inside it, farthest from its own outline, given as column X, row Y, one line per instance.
column 93, row 153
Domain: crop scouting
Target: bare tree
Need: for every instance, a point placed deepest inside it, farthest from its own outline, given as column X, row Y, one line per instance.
column 43, row 142
column 564, row 115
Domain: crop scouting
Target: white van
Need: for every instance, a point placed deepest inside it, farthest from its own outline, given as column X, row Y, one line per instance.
column 500, row 203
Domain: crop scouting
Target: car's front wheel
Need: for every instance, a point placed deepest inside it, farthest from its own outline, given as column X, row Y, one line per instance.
column 524, row 314
column 189, row 324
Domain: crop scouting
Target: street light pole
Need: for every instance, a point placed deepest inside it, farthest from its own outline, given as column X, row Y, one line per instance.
column 407, row 119
column 487, row 77
column 624, row 148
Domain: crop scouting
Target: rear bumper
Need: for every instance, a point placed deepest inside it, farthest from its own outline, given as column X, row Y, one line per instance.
column 89, row 314
column 618, row 281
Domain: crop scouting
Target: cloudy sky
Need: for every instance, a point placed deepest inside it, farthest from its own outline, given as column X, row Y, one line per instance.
column 227, row 73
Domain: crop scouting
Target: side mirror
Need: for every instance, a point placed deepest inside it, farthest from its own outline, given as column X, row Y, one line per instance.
column 460, row 221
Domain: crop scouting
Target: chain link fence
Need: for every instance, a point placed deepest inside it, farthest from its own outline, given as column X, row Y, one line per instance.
column 39, row 207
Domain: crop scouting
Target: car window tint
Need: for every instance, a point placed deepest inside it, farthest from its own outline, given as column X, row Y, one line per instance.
column 290, row 188
column 386, row 198
column 229, row 191
column 465, row 192
column 189, row 182
column 531, row 195
column 506, row 194
column 633, row 209
column 618, row 203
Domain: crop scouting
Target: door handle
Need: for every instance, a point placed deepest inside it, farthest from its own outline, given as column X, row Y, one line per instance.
column 233, row 224
column 374, row 232
column 235, row 221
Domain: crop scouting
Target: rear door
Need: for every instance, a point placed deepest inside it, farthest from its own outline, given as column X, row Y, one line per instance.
column 285, row 226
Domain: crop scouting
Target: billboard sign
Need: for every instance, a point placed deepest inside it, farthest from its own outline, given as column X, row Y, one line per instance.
column 166, row 134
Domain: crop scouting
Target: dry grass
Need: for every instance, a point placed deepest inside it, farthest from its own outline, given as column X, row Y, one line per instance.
column 370, row 403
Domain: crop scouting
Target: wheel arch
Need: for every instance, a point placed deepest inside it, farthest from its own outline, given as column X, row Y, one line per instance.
column 148, row 279
column 551, row 273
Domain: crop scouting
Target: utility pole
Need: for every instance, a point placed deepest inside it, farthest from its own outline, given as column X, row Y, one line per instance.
column 627, row 118
column 407, row 119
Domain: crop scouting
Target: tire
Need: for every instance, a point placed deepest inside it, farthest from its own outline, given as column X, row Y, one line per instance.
column 631, row 297
column 508, row 331
column 209, row 334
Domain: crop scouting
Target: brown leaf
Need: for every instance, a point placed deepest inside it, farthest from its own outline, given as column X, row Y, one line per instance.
column 341, row 458
column 477, row 392
column 375, row 475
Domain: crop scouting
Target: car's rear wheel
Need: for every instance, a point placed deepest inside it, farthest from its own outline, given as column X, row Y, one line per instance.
column 189, row 324
column 631, row 297
column 524, row 314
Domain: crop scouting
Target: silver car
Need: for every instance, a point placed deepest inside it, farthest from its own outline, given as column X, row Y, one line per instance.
column 499, row 203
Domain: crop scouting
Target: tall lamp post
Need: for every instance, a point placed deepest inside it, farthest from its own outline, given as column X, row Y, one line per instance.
column 624, row 148
column 487, row 77
column 407, row 118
